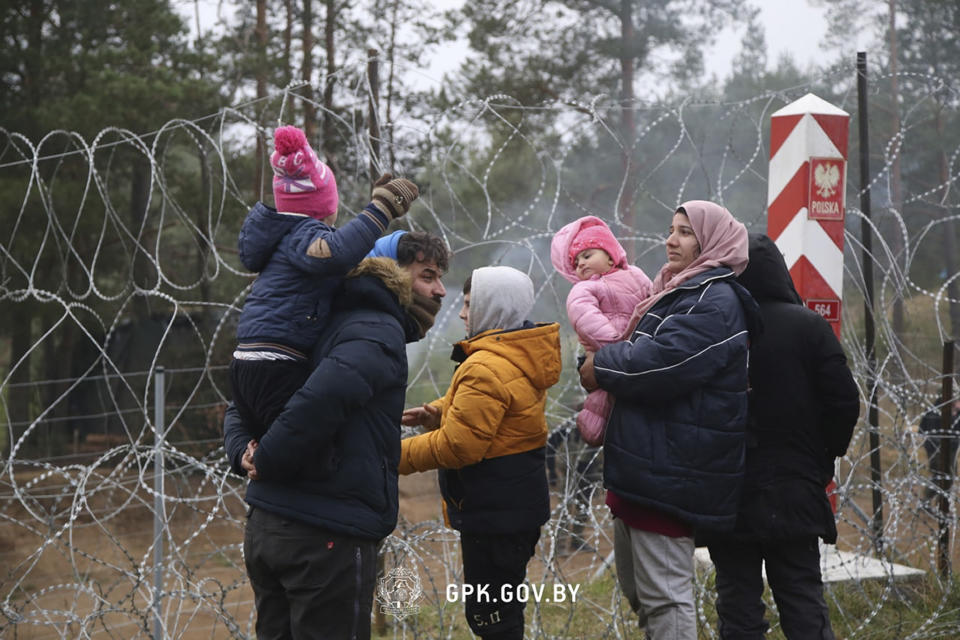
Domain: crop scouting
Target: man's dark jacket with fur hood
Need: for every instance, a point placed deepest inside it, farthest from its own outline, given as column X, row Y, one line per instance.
column 330, row 458
column 803, row 408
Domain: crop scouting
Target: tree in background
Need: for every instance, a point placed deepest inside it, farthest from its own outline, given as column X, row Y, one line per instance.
column 96, row 64
column 83, row 66
column 563, row 107
column 930, row 48
column 407, row 33
column 539, row 51
column 911, row 53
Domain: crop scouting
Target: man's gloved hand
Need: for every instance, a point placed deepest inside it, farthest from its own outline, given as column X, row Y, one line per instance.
column 394, row 196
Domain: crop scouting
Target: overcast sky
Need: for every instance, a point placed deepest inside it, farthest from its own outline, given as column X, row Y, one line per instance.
column 791, row 26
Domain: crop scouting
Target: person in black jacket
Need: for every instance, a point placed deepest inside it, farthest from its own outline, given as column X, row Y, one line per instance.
column 323, row 487
column 803, row 406
column 673, row 452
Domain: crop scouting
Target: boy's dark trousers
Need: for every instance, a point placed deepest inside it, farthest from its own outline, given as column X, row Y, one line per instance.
column 261, row 389
column 496, row 560
column 793, row 572
column 308, row 582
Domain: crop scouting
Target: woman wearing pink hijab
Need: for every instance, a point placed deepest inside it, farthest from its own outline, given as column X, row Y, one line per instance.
column 674, row 447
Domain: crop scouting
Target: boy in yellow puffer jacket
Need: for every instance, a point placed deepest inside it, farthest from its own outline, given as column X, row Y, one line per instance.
column 488, row 439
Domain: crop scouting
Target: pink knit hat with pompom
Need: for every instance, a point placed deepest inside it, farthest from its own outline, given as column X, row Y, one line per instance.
column 595, row 234
column 301, row 183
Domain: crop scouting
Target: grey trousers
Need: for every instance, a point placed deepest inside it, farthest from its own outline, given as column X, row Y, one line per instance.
column 655, row 573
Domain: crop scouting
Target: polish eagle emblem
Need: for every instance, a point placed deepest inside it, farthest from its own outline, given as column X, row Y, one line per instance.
column 826, row 177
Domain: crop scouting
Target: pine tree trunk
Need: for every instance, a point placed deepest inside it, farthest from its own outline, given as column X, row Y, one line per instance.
column 288, row 43
column 56, row 435
column 309, row 110
column 144, row 272
column 391, row 60
column 896, row 187
column 18, row 398
column 328, row 128
column 34, row 77
column 949, row 237
column 261, row 32
column 204, row 240
column 373, row 105
column 628, row 124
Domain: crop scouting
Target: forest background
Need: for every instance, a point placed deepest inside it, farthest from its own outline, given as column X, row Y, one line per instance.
column 132, row 146
column 123, row 79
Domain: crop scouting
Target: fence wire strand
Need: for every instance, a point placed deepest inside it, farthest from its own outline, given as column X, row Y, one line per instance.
column 97, row 297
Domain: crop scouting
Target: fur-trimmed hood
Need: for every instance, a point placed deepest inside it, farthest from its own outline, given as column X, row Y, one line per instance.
column 396, row 279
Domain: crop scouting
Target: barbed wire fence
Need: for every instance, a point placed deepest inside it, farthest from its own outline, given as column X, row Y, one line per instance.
column 119, row 516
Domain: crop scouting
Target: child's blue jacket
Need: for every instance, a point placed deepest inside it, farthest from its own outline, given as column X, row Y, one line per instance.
column 301, row 262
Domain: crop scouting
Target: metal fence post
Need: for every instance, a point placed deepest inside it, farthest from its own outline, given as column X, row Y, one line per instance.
column 158, row 506
column 946, row 460
column 873, row 417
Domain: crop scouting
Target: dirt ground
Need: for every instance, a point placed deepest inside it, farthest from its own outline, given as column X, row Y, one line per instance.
column 75, row 566
column 78, row 561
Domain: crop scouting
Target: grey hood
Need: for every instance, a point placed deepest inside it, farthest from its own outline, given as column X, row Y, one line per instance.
column 500, row 298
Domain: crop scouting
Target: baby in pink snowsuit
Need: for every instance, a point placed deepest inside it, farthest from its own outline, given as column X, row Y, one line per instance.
column 605, row 292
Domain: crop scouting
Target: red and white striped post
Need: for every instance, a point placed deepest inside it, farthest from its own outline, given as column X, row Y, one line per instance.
column 805, row 203
column 805, row 199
